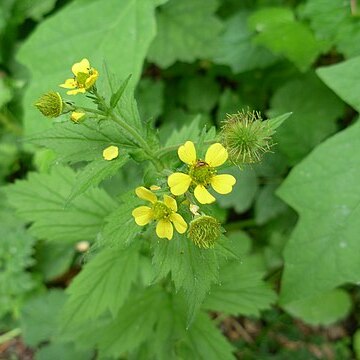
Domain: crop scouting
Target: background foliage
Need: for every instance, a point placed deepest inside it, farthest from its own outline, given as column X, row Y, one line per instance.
column 284, row 284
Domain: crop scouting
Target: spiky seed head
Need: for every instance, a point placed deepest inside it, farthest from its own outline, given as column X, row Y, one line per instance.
column 246, row 137
column 50, row 104
column 204, row 231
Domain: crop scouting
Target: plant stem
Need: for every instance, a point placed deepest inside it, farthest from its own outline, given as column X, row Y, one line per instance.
column 10, row 335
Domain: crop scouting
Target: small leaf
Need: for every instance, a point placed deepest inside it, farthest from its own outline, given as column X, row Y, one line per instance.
column 274, row 123
column 118, row 94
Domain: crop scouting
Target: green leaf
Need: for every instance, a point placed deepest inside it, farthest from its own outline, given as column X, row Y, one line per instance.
column 344, row 80
column 62, row 351
column 237, row 50
column 5, row 93
column 120, row 91
column 244, row 191
column 103, row 285
column 41, row 200
column 356, row 343
column 192, row 269
column 279, row 31
column 229, row 103
column 241, row 291
column 187, row 30
column 277, row 121
column 129, row 25
column 40, row 316
column 95, row 172
column 323, row 309
column 81, row 142
column 322, row 252
column 314, row 116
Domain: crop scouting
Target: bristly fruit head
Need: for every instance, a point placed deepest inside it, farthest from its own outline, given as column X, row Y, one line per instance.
column 204, row 231
column 50, row 104
column 246, row 137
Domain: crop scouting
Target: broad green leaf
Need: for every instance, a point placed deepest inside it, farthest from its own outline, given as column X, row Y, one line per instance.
column 192, row 269
column 236, row 48
column 244, row 191
column 187, row 30
column 333, row 22
column 322, row 252
column 103, row 285
column 241, row 291
column 314, row 115
column 41, row 200
column 78, row 30
column 278, row 30
column 277, row 121
column 95, row 172
column 62, row 351
column 40, row 316
column 81, row 142
column 229, row 103
column 344, row 80
column 323, row 309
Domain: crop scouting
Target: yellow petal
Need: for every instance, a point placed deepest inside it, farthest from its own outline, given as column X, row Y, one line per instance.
column 69, row 84
column 111, row 152
column 170, row 202
column 223, row 183
column 76, row 91
column 179, row 183
column 90, row 81
column 145, row 194
column 164, row 229
column 179, row 223
column 202, row 195
column 142, row 215
column 82, row 66
column 187, row 153
column 216, row 155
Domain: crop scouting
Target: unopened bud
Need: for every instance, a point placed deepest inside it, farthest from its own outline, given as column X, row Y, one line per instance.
column 204, row 231
column 246, row 137
column 50, row 104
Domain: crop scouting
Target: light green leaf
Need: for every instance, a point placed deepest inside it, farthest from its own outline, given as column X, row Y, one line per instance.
column 277, row 121
column 116, row 96
column 95, row 172
column 78, row 30
column 344, row 80
column 314, row 116
column 40, row 316
column 237, row 50
column 187, row 30
column 62, row 351
column 322, row 252
column 278, row 30
column 41, row 200
column 103, row 285
column 192, row 269
column 244, row 191
column 323, row 309
column 81, row 142
column 241, row 291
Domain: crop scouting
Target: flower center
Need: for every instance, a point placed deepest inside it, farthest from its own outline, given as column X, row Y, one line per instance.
column 201, row 173
column 81, row 78
column 160, row 211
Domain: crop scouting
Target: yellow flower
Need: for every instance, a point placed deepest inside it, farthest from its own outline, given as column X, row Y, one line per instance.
column 111, row 152
column 164, row 212
column 84, row 78
column 76, row 116
column 202, row 173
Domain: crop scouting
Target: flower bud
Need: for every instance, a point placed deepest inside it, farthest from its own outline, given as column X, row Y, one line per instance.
column 246, row 137
column 50, row 104
column 204, row 231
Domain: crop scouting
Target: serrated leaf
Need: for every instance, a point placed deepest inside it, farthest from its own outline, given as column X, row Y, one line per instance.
column 278, row 30
column 344, row 80
column 314, row 116
column 236, row 48
column 95, row 172
column 187, row 30
column 41, row 200
column 322, row 252
column 103, row 285
column 241, row 291
column 192, row 269
column 81, row 142
column 120, row 91
column 323, row 309
column 129, row 25
column 40, row 316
